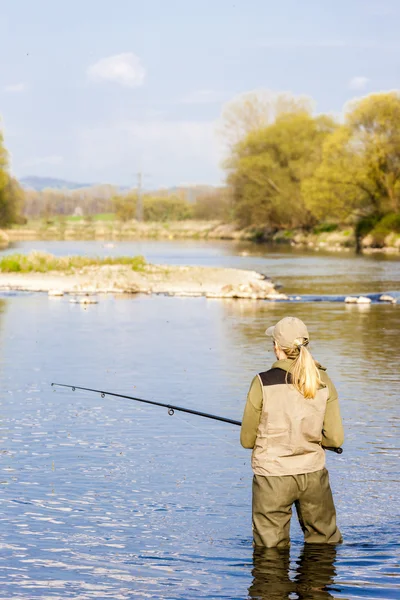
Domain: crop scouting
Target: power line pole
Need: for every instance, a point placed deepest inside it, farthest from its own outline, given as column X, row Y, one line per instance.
column 139, row 205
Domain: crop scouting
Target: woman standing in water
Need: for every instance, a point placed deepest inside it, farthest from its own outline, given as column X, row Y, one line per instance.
column 291, row 412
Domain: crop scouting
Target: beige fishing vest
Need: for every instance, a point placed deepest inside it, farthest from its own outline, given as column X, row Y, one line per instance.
column 290, row 431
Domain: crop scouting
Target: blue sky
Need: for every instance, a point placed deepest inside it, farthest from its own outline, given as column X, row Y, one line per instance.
column 94, row 90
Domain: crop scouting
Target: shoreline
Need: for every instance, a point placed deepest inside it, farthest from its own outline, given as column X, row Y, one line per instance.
column 339, row 240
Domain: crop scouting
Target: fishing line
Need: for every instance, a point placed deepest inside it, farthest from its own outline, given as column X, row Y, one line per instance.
column 170, row 407
column 207, row 433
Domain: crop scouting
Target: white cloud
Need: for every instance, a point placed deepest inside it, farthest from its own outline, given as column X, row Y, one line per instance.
column 44, row 160
column 358, row 83
column 125, row 69
column 15, row 88
column 202, row 97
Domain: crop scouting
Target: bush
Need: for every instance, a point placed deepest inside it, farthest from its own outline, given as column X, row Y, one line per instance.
column 325, row 228
column 125, row 207
column 170, row 208
column 215, row 206
column 388, row 224
column 366, row 224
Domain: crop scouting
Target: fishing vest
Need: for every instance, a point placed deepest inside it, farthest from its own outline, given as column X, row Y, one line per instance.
column 290, row 431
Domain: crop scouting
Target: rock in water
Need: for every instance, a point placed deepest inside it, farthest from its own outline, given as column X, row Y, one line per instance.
column 364, row 300
column 387, row 298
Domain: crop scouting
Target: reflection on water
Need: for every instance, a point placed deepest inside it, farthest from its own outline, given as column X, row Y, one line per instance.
column 104, row 498
column 312, row 576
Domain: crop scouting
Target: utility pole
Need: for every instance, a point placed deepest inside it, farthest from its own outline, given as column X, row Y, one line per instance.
column 139, row 205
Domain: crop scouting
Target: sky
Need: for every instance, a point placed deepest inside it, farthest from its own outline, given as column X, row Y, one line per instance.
column 95, row 91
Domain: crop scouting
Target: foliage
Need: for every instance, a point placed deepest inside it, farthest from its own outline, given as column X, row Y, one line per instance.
column 79, row 202
column 41, row 262
column 256, row 110
column 155, row 208
column 290, row 169
column 125, row 207
column 325, row 228
column 11, row 194
column 214, row 206
column 267, row 168
column 366, row 224
column 170, row 208
column 388, row 224
column 360, row 168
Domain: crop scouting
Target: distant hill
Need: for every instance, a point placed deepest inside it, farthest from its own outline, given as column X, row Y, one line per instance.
column 40, row 183
column 189, row 192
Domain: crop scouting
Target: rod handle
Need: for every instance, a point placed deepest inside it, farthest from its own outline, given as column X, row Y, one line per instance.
column 337, row 450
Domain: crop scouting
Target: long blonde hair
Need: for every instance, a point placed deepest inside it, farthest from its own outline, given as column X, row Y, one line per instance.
column 304, row 371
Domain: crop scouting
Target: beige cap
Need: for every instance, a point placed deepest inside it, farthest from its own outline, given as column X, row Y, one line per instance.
column 287, row 331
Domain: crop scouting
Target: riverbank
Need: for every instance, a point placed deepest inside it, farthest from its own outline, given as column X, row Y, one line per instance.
column 331, row 238
column 70, row 275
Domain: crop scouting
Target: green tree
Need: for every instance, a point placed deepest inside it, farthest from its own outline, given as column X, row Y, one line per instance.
column 267, row 168
column 252, row 111
column 169, row 208
column 125, row 206
column 11, row 194
column 215, row 205
column 360, row 170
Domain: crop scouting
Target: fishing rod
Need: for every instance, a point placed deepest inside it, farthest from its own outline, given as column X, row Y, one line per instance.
column 171, row 407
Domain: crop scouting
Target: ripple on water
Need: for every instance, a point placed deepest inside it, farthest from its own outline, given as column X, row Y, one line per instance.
column 105, row 499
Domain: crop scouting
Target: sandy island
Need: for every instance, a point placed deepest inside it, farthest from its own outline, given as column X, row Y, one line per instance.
column 153, row 279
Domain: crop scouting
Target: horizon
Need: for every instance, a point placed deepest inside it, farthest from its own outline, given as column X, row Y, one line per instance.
column 71, row 185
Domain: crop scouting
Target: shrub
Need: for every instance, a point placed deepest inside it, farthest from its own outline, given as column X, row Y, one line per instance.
column 388, row 224
column 366, row 224
column 216, row 205
column 170, row 208
column 325, row 228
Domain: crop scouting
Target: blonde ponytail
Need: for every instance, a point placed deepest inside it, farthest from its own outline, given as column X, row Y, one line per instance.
column 305, row 374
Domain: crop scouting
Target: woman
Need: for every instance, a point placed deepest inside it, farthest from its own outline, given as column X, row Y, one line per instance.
column 291, row 412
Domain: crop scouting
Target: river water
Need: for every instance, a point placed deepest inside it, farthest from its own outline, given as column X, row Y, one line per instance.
column 106, row 498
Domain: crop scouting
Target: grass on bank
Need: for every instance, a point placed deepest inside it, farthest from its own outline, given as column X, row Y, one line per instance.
column 41, row 262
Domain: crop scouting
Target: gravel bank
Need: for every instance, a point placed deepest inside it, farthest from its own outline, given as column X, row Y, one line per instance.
column 154, row 279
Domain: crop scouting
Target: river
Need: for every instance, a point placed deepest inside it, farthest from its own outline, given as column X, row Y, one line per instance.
column 105, row 498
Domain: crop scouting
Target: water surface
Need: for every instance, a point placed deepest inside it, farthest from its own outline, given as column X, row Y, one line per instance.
column 105, row 498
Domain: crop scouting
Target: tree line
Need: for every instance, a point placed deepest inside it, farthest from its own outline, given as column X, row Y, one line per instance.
column 286, row 166
column 162, row 205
